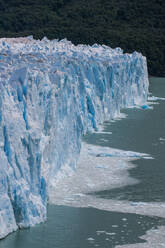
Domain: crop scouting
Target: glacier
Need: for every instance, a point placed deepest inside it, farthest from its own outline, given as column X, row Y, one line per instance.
column 51, row 94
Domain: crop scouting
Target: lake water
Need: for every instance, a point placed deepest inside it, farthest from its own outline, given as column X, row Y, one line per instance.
column 70, row 225
column 141, row 131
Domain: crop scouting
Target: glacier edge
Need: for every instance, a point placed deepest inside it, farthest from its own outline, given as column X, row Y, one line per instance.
column 52, row 93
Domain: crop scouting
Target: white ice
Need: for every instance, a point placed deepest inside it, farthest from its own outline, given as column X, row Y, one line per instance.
column 51, row 93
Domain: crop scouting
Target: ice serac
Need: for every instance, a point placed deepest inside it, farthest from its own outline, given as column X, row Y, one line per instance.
column 51, row 93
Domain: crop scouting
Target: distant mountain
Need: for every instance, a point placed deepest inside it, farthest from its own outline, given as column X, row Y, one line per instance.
column 131, row 24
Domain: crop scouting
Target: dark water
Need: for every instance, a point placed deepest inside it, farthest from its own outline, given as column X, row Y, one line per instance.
column 141, row 132
column 69, row 227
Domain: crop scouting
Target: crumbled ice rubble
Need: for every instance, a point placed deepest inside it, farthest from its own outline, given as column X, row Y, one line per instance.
column 96, row 173
column 51, row 93
column 112, row 171
column 109, row 152
column 155, row 238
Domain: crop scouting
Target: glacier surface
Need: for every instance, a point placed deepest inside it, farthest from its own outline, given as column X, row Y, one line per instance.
column 52, row 93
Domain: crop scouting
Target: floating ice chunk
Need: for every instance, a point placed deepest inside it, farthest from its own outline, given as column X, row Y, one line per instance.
column 104, row 132
column 155, row 98
column 145, row 106
column 115, row 226
column 110, row 233
column 100, row 232
column 90, row 239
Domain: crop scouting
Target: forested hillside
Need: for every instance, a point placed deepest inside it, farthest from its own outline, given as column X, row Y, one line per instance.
column 131, row 24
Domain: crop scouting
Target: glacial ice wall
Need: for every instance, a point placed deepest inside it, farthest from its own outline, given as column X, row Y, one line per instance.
column 51, row 93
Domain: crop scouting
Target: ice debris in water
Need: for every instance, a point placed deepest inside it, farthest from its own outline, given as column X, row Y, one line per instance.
column 51, row 93
column 90, row 239
column 154, row 238
column 155, row 98
column 117, row 153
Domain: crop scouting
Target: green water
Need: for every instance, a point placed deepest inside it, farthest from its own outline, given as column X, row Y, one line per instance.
column 69, row 227
column 141, row 132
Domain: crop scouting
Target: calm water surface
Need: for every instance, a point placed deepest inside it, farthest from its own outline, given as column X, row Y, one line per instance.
column 69, row 227
column 142, row 131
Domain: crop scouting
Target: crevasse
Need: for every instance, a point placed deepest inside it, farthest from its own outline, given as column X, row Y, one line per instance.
column 51, row 93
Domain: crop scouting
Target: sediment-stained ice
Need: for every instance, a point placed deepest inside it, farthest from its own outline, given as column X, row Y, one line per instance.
column 51, row 93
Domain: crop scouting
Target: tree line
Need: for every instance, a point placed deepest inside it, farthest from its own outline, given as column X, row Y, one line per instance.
column 133, row 25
